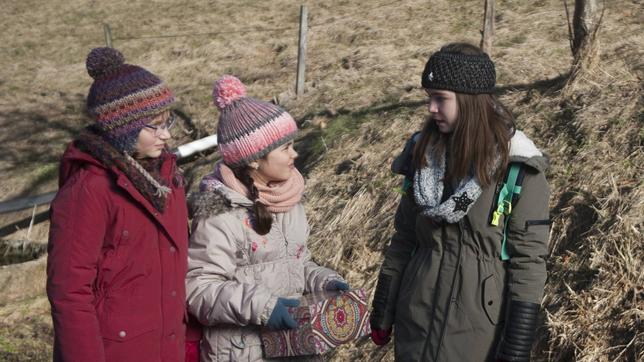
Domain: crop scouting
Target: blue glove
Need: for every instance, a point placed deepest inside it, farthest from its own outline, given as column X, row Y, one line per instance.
column 336, row 285
column 280, row 318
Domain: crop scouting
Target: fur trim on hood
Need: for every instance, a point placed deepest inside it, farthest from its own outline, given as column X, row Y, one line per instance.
column 522, row 149
column 208, row 203
column 217, row 201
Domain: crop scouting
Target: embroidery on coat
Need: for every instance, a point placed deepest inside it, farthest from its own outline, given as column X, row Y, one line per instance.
column 247, row 222
column 300, row 250
column 262, row 241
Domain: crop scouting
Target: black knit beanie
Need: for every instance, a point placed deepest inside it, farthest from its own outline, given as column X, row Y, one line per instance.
column 458, row 72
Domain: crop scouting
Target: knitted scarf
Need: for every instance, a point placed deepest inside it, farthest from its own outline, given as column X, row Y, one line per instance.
column 278, row 197
column 428, row 190
column 144, row 174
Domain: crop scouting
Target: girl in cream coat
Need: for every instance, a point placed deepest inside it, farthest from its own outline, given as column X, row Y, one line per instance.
column 248, row 258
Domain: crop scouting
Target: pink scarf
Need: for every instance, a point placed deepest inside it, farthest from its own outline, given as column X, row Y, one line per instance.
column 278, row 197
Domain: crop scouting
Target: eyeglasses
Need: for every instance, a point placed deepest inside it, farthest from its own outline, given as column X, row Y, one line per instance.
column 167, row 125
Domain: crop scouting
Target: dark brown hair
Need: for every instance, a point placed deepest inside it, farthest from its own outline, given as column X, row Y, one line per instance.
column 262, row 218
column 482, row 133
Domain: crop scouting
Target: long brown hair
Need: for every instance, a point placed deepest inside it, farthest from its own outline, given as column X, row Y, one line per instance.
column 262, row 218
column 482, row 133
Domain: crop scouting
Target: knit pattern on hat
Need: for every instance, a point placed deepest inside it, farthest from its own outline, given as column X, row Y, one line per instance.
column 457, row 72
column 248, row 128
column 123, row 97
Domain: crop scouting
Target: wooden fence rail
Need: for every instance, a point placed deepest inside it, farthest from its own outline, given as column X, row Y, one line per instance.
column 182, row 151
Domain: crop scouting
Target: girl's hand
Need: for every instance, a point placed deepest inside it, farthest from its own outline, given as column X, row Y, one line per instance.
column 336, row 285
column 280, row 317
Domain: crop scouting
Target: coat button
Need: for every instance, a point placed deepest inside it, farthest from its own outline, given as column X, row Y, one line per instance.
column 125, row 233
column 173, row 293
column 156, row 214
column 122, row 334
column 172, row 249
column 124, row 184
column 172, row 336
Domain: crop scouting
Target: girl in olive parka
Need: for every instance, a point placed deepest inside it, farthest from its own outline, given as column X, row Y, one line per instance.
column 443, row 285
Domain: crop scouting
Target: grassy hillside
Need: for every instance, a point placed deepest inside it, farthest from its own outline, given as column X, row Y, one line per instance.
column 363, row 100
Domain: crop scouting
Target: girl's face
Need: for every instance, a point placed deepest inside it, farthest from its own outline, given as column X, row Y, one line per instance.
column 276, row 166
column 151, row 142
column 443, row 109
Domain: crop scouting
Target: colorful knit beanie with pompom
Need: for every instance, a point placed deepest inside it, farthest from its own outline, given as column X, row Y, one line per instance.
column 248, row 128
column 123, row 97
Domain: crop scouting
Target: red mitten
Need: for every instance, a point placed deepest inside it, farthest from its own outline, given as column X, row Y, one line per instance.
column 381, row 337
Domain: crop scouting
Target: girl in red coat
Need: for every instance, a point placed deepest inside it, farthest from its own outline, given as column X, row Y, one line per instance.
column 118, row 236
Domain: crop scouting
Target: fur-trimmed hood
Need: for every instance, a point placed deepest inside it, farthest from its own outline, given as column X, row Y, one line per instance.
column 523, row 150
column 217, row 201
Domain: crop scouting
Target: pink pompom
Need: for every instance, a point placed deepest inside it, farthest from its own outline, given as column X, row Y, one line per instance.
column 227, row 90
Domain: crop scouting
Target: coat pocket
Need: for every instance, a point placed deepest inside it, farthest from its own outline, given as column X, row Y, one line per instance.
column 246, row 346
column 232, row 343
column 119, row 329
column 126, row 317
column 492, row 299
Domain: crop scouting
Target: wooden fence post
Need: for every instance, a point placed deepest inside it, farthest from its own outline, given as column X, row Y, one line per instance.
column 488, row 27
column 108, row 35
column 301, row 51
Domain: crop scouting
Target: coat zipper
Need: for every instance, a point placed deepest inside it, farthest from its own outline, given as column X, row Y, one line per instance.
column 529, row 223
column 451, row 292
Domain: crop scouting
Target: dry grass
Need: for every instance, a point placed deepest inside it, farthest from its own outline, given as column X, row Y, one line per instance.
column 363, row 101
column 24, row 326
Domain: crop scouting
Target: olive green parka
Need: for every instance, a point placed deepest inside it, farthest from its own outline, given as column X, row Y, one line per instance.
column 444, row 287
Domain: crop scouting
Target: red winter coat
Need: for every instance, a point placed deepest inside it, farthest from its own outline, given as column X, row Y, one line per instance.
column 116, row 266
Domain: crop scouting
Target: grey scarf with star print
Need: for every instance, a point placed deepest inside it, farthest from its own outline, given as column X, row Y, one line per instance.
column 428, row 190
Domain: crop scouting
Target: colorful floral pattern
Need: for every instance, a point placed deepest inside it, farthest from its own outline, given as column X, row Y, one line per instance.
column 325, row 321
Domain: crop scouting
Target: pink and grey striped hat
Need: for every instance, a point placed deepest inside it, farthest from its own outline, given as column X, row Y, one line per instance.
column 248, row 128
column 123, row 97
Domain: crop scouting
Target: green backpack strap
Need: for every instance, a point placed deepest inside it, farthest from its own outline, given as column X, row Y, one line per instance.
column 508, row 196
